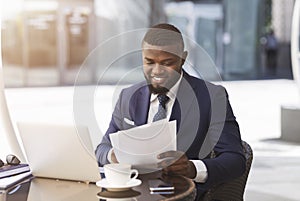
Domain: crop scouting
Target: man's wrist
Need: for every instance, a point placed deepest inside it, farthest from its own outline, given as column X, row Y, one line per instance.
column 192, row 170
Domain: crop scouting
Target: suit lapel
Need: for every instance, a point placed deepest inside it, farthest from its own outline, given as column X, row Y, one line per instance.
column 176, row 114
column 184, row 100
column 142, row 106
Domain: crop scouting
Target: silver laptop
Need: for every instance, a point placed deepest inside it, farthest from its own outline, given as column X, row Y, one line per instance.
column 59, row 151
column 51, row 190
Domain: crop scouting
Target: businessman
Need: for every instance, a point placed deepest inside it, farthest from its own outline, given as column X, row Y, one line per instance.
column 204, row 117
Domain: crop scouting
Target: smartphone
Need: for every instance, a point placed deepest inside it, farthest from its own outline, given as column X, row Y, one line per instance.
column 157, row 185
column 161, row 192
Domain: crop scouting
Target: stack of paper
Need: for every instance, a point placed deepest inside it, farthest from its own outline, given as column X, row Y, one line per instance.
column 10, row 170
column 140, row 146
column 12, row 180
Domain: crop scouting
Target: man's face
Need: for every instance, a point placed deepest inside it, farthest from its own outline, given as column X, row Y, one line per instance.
column 162, row 66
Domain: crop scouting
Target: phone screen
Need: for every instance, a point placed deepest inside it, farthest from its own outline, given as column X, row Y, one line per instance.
column 159, row 185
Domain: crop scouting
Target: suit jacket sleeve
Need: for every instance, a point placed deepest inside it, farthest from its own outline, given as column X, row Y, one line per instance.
column 114, row 126
column 230, row 160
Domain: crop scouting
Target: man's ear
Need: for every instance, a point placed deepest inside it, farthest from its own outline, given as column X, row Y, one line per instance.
column 184, row 56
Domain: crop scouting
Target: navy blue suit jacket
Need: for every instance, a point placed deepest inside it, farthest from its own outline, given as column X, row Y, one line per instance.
column 205, row 121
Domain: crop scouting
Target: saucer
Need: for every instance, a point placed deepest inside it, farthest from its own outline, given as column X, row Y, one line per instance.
column 118, row 194
column 104, row 184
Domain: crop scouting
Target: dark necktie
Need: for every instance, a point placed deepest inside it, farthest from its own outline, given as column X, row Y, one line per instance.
column 162, row 112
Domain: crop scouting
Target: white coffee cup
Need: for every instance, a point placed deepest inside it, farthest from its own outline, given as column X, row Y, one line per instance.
column 119, row 174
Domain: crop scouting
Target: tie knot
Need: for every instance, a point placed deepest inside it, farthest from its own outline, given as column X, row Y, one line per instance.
column 163, row 99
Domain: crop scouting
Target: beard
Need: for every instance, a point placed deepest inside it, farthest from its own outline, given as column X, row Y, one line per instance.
column 162, row 89
column 157, row 90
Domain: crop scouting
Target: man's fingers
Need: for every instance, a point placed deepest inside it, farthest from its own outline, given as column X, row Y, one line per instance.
column 174, row 154
column 175, row 171
column 176, row 167
column 186, row 169
column 166, row 163
column 113, row 157
column 171, row 161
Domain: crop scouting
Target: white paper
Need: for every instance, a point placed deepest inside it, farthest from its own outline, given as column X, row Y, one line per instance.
column 140, row 146
column 8, row 181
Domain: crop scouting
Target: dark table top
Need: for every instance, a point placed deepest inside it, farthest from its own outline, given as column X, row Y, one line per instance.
column 41, row 189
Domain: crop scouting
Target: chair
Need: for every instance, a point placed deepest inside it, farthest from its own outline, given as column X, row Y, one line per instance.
column 233, row 190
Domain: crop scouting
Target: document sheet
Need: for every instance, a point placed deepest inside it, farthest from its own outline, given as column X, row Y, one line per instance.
column 140, row 145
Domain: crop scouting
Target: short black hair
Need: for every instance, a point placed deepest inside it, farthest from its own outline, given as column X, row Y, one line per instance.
column 163, row 34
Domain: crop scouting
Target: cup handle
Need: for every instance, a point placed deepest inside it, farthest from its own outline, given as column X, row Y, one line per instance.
column 135, row 172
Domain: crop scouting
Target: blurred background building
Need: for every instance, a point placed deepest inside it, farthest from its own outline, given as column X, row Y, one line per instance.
column 46, row 42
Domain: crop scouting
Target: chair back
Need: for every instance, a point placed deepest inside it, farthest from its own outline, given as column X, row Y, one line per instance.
column 233, row 190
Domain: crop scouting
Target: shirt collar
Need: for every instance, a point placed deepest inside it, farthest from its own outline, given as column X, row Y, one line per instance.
column 172, row 92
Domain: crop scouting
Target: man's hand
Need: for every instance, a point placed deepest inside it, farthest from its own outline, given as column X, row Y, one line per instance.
column 113, row 157
column 177, row 163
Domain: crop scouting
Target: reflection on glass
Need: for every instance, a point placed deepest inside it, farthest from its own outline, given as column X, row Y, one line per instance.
column 77, row 37
column 44, row 43
column 43, row 40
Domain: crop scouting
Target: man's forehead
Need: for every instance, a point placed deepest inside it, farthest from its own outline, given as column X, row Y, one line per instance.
column 176, row 49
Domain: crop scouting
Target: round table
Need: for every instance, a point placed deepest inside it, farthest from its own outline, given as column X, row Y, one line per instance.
column 40, row 189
